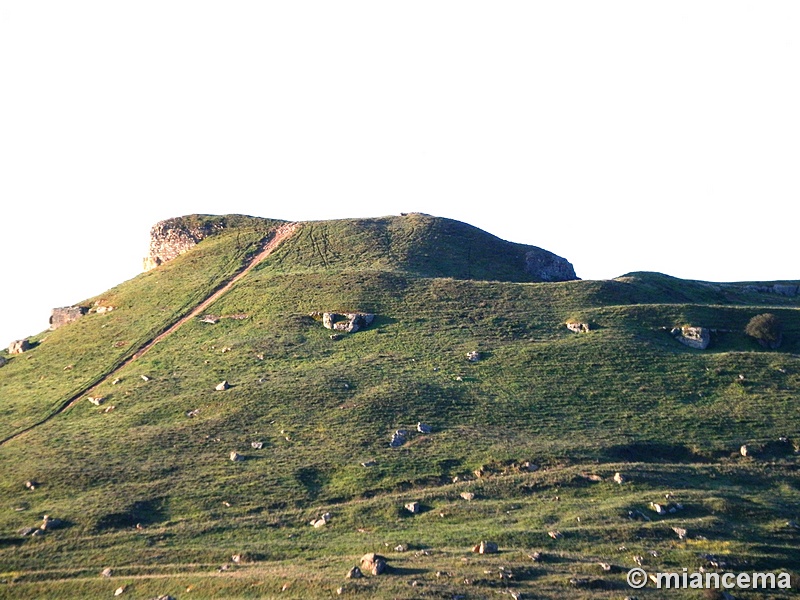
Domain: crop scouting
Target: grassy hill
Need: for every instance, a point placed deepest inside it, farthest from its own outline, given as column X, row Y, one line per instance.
column 147, row 488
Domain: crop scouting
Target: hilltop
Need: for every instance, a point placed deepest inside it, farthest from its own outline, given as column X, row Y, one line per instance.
column 524, row 422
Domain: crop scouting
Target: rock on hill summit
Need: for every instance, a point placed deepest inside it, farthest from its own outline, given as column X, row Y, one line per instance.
column 411, row 242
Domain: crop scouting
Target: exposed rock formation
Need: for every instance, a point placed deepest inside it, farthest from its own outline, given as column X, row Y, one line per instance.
column 19, row 346
column 547, row 266
column 694, row 337
column 173, row 237
column 66, row 314
column 781, row 289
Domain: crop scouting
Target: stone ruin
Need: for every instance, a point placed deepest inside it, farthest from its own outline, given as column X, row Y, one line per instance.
column 347, row 322
column 64, row 315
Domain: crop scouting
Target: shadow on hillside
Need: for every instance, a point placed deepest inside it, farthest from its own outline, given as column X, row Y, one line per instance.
column 654, row 452
column 143, row 512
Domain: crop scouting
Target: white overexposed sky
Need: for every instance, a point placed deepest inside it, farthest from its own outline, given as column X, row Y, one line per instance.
column 624, row 136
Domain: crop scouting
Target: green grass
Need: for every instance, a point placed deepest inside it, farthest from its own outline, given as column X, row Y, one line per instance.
column 623, row 397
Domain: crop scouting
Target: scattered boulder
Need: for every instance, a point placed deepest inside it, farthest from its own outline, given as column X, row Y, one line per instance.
column 373, row 563
column 19, row 346
column 473, row 356
column 107, row 572
column 347, row 322
column 680, row 532
column 578, row 327
column 536, row 557
column 65, row 315
column 31, row 485
column 398, row 438
column 96, row 400
column 321, row 522
column 658, row 508
column 620, row 478
column 423, row 428
column 555, row 534
column 25, row 531
column 221, row 387
column 413, row 507
column 354, row 573
column 744, row 450
column 257, row 445
column 468, row 496
column 145, row 378
column 694, row 337
column 119, row 591
column 485, row 548
column 236, row 457
column 49, row 523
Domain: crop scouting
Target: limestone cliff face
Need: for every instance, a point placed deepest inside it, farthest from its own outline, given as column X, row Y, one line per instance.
column 173, row 237
column 547, row 266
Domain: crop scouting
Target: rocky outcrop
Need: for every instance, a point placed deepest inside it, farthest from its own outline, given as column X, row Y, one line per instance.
column 173, row 237
column 782, row 289
column 694, row 337
column 547, row 266
column 64, row 315
column 19, row 346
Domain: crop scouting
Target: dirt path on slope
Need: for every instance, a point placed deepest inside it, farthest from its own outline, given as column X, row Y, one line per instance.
column 277, row 238
column 280, row 234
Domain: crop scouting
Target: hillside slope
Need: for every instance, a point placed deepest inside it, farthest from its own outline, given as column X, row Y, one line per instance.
column 149, row 489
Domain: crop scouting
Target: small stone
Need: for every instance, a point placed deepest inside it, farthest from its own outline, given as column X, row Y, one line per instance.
column 398, row 438
column 473, row 356
column 119, row 591
column 236, row 457
column 401, row 548
column 619, row 478
column 106, row 572
column 257, row 445
column 413, row 507
column 536, row 557
column 19, row 346
column 96, row 400
column 31, row 485
column 555, row 534
column 354, row 573
column 116, row 381
column 25, row 531
column 658, row 508
column 423, row 428
column 529, row 466
column 468, row 495
column 145, row 378
column 237, row 558
column 221, row 387
column 743, row 450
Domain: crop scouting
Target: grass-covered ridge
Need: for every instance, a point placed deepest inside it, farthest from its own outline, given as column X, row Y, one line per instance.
column 624, row 397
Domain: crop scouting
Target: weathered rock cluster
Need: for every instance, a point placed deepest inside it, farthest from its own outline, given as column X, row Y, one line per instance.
column 347, row 322
column 19, row 346
column 694, row 337
column 172, row 237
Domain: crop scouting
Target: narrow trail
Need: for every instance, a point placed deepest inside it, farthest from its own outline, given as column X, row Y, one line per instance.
column 278, row 237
